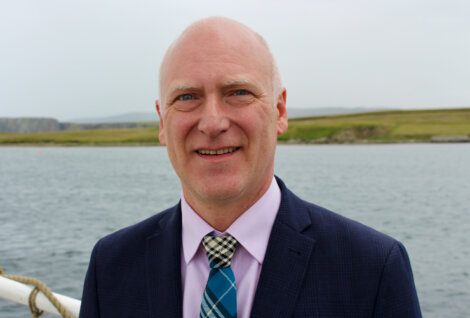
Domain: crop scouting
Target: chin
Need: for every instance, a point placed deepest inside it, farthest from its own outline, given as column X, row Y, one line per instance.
column 220, row 191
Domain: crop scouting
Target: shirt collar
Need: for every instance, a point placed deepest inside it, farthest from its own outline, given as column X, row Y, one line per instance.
column 252, row 229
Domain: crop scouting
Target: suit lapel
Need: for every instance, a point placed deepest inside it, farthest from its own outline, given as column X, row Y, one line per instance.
column 286, row 260
column 284, row 266
column 163, row 257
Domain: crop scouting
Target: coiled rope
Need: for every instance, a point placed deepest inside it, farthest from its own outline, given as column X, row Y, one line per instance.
column 38, row 287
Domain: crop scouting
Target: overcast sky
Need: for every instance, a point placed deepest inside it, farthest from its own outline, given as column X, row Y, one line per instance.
column 92, row 58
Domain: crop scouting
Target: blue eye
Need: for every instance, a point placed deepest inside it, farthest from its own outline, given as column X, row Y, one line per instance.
column 185, row 97
column 241, row 92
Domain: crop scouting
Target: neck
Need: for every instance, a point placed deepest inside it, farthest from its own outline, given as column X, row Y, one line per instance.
column 220, row 214
column 220, row 222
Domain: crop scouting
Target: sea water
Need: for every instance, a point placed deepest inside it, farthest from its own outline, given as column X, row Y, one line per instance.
column 55, row 203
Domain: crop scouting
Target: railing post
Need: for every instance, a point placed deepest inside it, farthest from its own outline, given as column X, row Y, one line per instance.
column 19, row 293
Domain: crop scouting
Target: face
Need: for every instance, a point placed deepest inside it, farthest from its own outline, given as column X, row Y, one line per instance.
column 220, row 119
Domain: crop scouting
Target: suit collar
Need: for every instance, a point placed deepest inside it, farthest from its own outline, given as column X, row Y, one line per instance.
column 292, row 210
column 286, row 261
column 163, row 258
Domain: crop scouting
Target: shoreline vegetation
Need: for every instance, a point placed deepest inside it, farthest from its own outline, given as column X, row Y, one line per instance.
column 398, row 126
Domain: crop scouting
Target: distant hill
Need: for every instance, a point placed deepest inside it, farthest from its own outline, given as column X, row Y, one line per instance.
column 434, row 125
column 28, row 125
column 140, row 119
column 329, row 111
column 292, row 112
column 122, row 118
column 35, row 125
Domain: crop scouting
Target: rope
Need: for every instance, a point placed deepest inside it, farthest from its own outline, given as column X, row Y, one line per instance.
column 35, row 311
column 38, row 287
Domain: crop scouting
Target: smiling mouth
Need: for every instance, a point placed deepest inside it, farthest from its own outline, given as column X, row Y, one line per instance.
column 217, row 152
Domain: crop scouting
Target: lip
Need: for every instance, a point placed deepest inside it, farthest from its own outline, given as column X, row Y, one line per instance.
column 215, row 156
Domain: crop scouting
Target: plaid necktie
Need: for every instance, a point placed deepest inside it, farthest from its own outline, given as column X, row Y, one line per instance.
column 220, row 296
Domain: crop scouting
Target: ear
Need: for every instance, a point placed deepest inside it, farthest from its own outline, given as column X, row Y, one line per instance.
column 161, row 130
column 281, row 113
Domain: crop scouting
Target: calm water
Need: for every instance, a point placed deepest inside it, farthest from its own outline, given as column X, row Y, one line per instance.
column 56, row 202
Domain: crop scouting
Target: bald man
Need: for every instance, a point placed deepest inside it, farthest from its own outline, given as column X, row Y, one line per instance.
column 239, row 243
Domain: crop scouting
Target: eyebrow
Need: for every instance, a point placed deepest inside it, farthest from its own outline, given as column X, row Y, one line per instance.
column 180, row 89
column 235, row 82
column 227, row 83
column 183, row 88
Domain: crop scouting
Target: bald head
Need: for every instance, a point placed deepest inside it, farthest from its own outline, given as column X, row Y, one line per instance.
column 223, row 35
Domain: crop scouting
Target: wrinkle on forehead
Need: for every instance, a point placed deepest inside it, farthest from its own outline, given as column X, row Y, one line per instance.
column 222, row 34
column 230, row 82
column 235, row 82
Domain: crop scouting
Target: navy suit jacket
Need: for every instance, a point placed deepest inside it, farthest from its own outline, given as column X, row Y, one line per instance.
column 317, row 264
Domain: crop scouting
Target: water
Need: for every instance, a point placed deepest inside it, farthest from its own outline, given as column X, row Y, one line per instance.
column 56, row 202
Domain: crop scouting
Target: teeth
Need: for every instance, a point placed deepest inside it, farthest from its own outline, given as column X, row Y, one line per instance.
column 216, row 152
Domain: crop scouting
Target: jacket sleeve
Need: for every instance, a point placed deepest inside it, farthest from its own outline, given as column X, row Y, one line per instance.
column 397, row 296
column 90, row 304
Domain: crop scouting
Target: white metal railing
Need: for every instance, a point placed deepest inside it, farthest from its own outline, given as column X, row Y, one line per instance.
column 19, row 293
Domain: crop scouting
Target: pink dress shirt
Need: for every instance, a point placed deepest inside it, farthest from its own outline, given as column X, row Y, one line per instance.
column 251, row 229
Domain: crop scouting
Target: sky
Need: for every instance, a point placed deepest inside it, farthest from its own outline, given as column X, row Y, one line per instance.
column 94, row 58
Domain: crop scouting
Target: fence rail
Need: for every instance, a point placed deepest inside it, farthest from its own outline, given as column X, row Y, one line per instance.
column 19, row 293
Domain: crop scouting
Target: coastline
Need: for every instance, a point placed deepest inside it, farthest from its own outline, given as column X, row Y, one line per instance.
column 384, row 127
column 283, row 143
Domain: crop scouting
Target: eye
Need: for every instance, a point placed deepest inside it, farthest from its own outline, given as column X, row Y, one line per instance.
column 241, row 92
column 186, row 101
column 240, row 97
column 184, row 97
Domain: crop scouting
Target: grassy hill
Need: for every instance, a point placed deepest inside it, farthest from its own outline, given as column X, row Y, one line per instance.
column 129, row 136
column 375, row 127
column 383, row 127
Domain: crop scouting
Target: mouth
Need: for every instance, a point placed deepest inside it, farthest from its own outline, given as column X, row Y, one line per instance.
column 217, row 152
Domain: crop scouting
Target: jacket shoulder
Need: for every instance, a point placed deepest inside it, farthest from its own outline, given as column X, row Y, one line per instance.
column 334, row 225
column 133, row 237
column 337, row 238
column 354, row 269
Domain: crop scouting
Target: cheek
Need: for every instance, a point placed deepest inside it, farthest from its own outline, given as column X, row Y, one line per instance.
column 261, row 137
column 264, row 124
column 177, row 129
column 253, row 118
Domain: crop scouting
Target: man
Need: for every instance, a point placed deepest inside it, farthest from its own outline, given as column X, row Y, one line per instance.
column 239, row 243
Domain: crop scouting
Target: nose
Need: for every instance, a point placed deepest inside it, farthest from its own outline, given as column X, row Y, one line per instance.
column 213, row 120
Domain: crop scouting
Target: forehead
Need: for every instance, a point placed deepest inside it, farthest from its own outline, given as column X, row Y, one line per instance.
column 212, row 55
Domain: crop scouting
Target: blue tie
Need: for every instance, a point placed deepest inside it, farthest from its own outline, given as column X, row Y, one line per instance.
column 220, row 296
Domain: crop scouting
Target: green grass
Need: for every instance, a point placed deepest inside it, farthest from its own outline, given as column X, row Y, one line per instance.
column 376, row 127
column 389, row 126
column 130, row 136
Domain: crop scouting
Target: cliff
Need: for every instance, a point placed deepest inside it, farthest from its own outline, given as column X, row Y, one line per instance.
column 28, row 125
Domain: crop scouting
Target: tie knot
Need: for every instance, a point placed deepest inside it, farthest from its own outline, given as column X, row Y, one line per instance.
column 219, row 250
